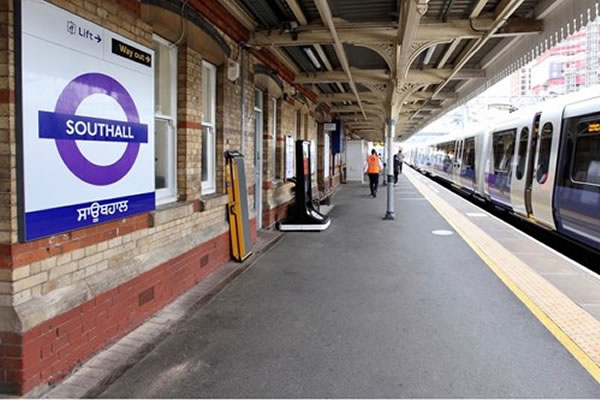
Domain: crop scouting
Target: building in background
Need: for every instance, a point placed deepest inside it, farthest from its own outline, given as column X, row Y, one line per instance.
column 571, row 65
column 565, row 68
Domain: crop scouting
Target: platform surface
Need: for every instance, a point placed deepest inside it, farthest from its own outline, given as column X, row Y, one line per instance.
column 368, row 308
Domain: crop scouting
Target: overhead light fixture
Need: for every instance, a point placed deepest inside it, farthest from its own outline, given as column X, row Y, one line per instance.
column 428, row 55
column 312, row 57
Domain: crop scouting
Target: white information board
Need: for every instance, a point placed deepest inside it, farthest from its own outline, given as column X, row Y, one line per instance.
column 326, row 153
column 329, row 126
column 289, row 157
column 313, row 157
column 88, row 123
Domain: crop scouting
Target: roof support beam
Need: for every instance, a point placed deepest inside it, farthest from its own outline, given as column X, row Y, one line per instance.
column 369, row 34
column 426, row 76
column 297, row 11
column 478, row 8
column 448, row 53
column 327, row 18
column 337, row 97
column 377, row 97
column 447, row 10
column 408, row 23
column 428, row 95
column 428, row 107
column 545, row 7
column 353, row 108
column 504, row 10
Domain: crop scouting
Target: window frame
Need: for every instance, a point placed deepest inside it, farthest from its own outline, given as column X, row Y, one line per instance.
column 468, row 141
column 274, row 134
column 499, row 134
column 209, row 186
column 520, row 174
column 539, row 153
column 580, row 120
column 168, row 194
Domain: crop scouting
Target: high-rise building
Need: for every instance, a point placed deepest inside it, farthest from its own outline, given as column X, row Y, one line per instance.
column 568, row 66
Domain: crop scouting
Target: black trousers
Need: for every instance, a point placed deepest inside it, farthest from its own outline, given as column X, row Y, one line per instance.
column 373, row 183
column 396, row 173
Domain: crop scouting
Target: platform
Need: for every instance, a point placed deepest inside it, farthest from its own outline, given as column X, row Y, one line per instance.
column 373, row 308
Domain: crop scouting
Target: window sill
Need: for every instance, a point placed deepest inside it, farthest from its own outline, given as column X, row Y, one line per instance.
column 170, row 212
column 213, row 201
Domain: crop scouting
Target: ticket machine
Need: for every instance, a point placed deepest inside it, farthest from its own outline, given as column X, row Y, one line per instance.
column 304, row 217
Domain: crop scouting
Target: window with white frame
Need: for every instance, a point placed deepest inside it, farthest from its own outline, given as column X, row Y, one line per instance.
column 165, row 114
column 274, row 141
column 209, row 105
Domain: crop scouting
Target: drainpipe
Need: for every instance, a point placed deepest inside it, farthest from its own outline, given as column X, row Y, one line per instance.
column 242, row 97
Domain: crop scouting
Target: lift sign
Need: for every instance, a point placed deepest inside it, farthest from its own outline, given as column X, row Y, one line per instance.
column 87, row 123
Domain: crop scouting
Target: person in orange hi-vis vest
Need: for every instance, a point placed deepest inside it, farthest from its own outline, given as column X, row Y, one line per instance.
column 373, row 167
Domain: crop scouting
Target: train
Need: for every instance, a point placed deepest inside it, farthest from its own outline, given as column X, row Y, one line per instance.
column 541, row 163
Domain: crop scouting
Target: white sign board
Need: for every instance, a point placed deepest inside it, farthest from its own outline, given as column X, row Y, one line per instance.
column 328, row 127
column 88, row 123
column 289, row 157
column 313, row 156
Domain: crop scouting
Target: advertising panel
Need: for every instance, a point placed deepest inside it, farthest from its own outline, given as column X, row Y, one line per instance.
column 87, row 136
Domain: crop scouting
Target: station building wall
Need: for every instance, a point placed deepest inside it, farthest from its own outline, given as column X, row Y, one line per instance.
column 65, row 297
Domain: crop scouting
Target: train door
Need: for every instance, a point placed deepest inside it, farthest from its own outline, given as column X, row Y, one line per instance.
column 467, row 169
column 500, row 175
column 543, row 173
column 457, row 162
column 531, row 160
column 482, row 155
column 519, row 166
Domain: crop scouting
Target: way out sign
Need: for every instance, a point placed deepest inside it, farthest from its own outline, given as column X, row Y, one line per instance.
column 87, row 136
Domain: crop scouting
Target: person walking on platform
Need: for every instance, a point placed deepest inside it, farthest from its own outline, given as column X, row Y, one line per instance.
column 373, row 167
column 397, row 168
column 401, row 159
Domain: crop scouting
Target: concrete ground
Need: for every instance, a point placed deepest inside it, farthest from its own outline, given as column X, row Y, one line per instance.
column 369, row 308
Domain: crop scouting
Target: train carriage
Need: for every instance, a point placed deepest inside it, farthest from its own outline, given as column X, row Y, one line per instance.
column 541, row 163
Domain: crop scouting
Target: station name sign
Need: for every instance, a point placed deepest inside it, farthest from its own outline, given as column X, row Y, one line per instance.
column 87, row 123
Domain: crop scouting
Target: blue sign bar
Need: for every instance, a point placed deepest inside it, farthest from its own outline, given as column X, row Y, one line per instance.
column 44, row 223
column 74, row 127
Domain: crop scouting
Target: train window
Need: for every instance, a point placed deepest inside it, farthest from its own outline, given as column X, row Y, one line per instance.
column 522, row 153
column 469, row 153
column 544, row 153
column 468, row 166
column 586, row 161
column 504, row 149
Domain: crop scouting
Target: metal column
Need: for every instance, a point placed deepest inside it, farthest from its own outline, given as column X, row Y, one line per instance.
column 391, row 128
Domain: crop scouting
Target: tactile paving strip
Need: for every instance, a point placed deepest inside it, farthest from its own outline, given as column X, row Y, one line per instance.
column 575, row 328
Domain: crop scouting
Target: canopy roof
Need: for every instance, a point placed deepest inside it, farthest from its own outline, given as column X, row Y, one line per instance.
column 403, row 60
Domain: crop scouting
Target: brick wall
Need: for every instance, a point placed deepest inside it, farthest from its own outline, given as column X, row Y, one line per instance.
column 46, row 353
column 189, row 123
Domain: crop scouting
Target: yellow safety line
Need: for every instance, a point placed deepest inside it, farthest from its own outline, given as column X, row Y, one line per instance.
column 581, row 356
